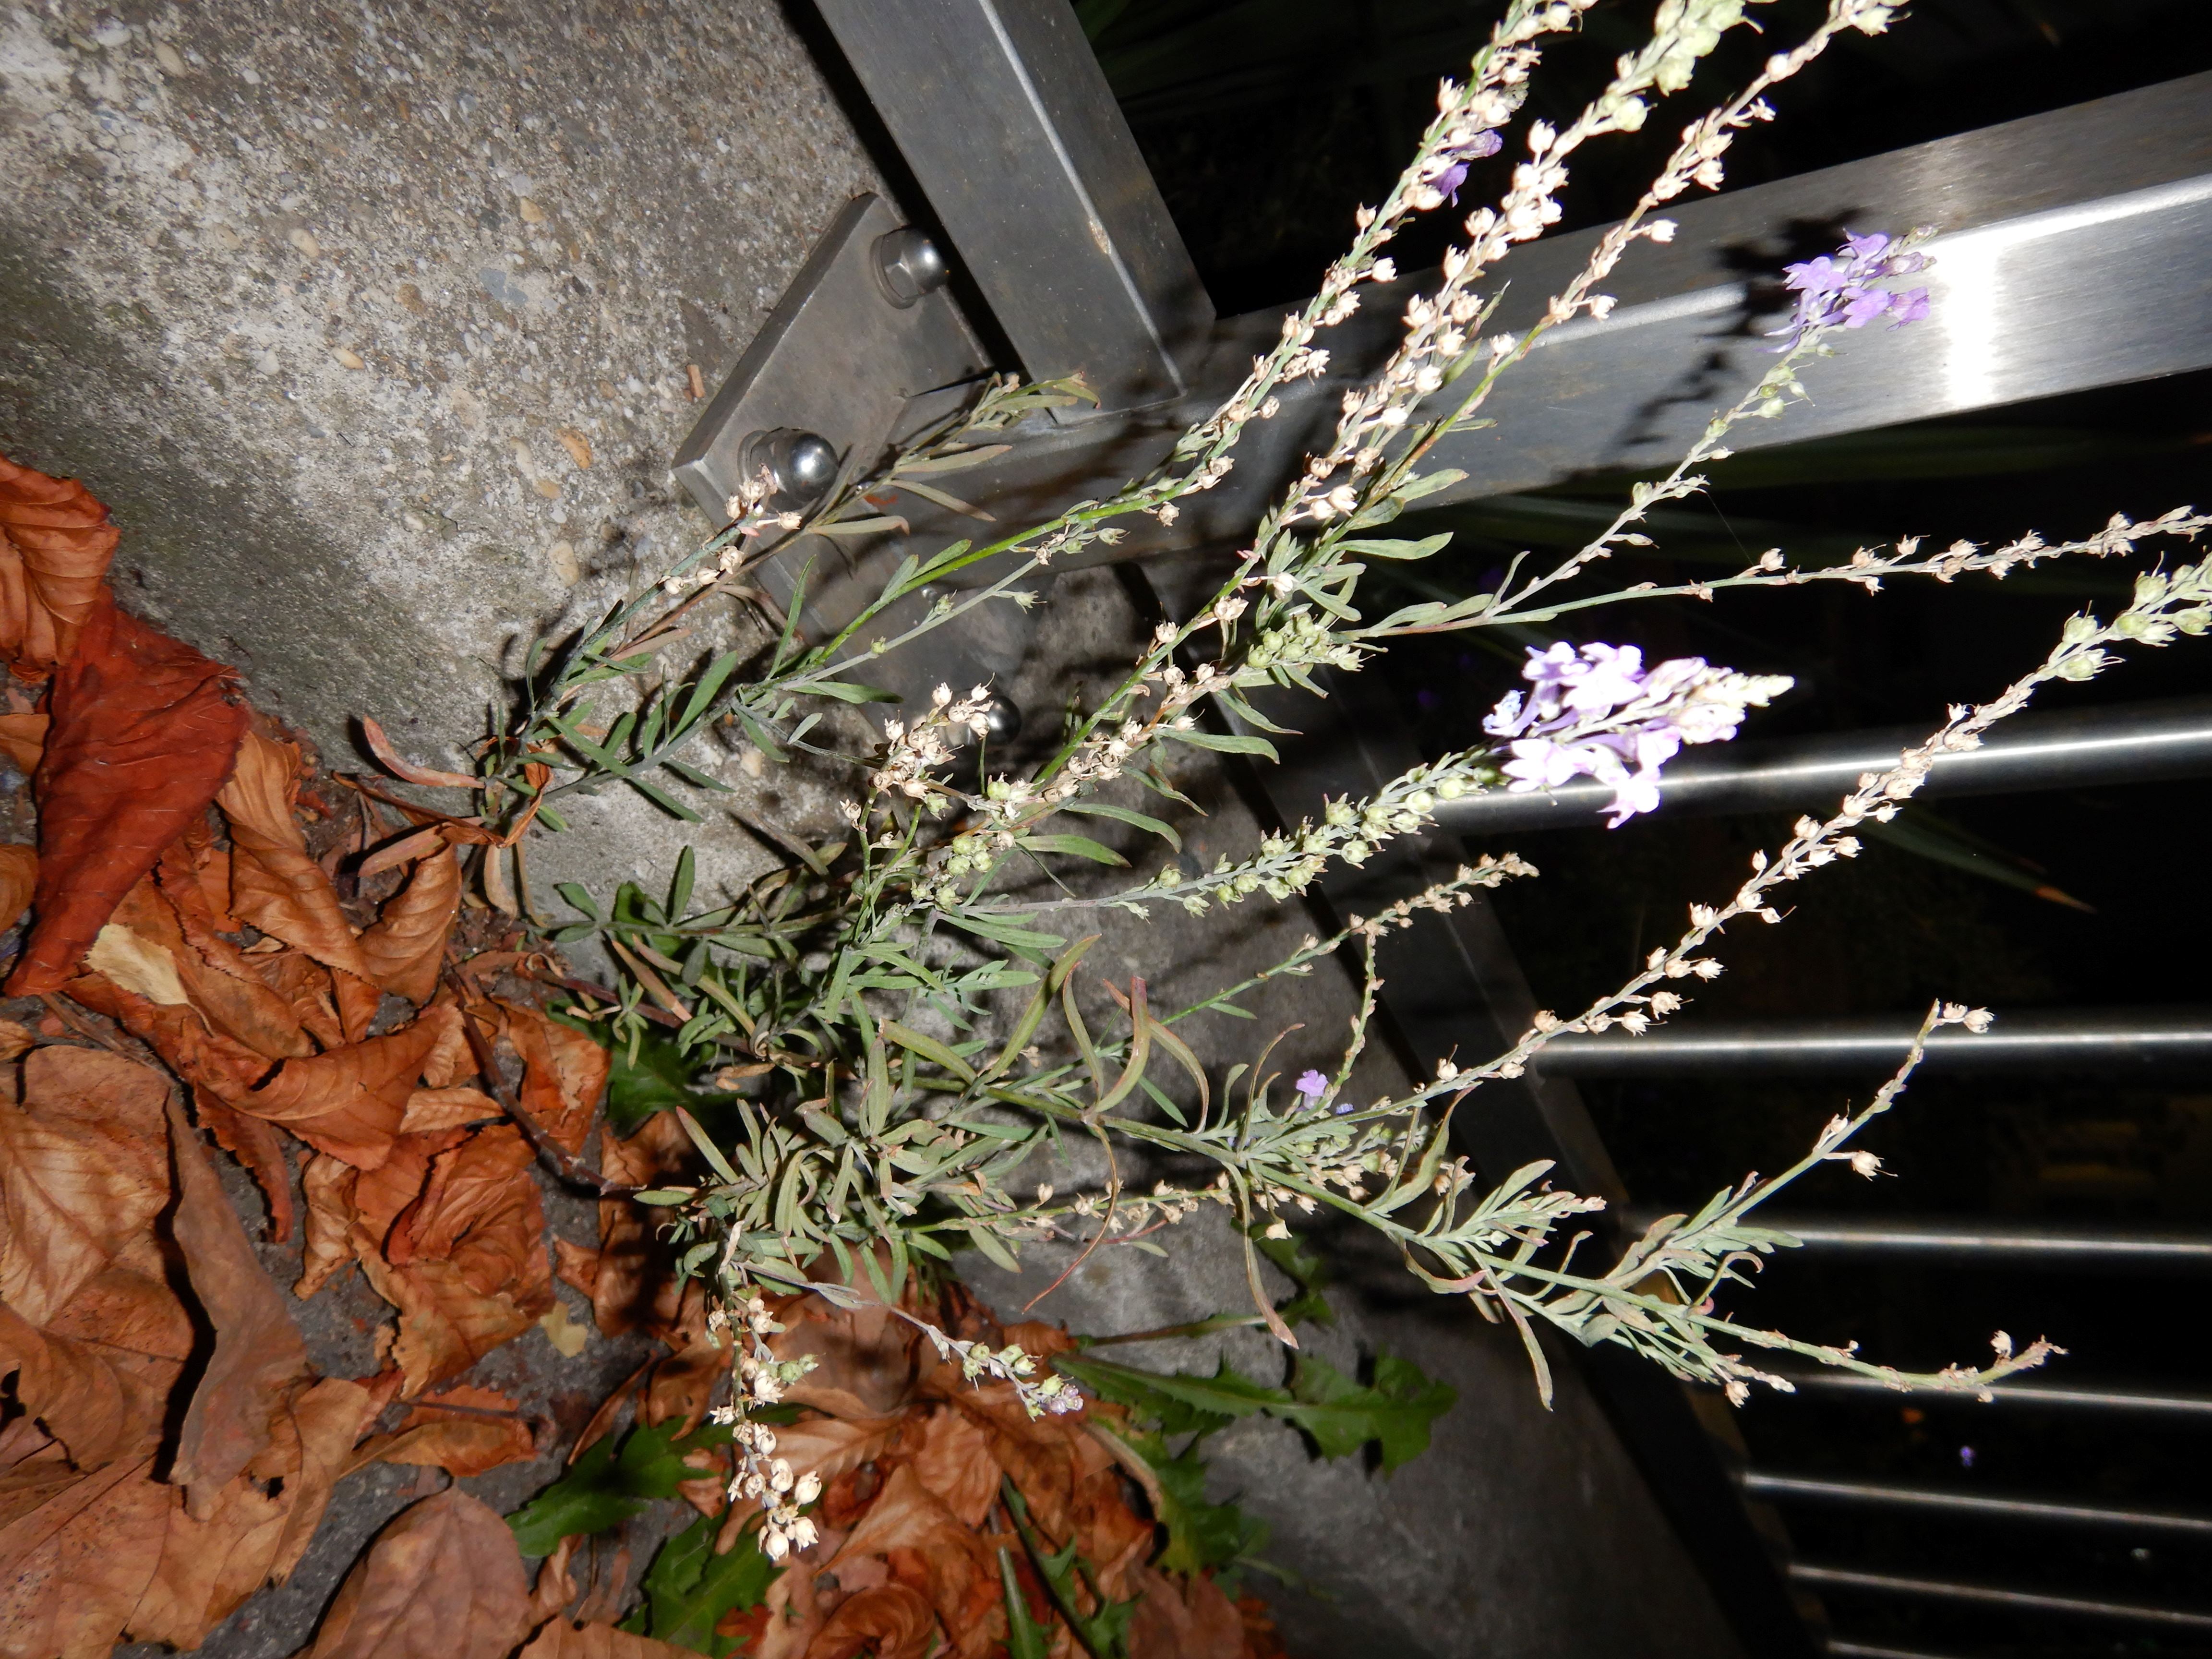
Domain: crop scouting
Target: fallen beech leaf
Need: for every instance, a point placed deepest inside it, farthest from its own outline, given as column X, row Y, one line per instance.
column 560, row 1639
column 55, row 545
column 306, row 987
column 467, row 1264
column 380, row 746
column 564, row 1074
column 258, row 1360
column 634, row 1285
column 409, row 848
column 955, row 1462
column 137, row 965
column 575, row 1266
column 349, row 1102
column 1194, row 1620
column 442, row 1581
column 256, row 1145
column 207, row 1059
column 464, row 1431
column 327, row 1183
column 72, row 1568
column 891, row 1620
column 928, row 1548
column 220, row 980
column 23, row 740
column 19, row 879
column 16, row 1040
column 405, row 949
column 274, row 885
column 144, row 731
column 430, row 1110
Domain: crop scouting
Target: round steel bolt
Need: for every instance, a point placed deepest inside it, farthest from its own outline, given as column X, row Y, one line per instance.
column 908, row 265
column 801, row 466
column 1002, row 720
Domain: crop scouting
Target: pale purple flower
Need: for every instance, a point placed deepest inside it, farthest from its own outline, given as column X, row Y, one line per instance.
column 1839, row 291
column 1600, row 713
column 1447, row 181
column 1312, row 1086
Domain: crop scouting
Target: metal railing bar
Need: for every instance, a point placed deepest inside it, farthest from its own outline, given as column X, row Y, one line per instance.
column 2131, row 743
column 1792, row 1488
column 1884, row 1583
column 2042, row 1039
column 2033, row 1394
column 2047, row 1246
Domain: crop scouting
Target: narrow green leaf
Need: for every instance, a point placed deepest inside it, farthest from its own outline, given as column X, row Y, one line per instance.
column 1124, row 815
column 930, row 1049
column 1075, row 846
column 1228, row 742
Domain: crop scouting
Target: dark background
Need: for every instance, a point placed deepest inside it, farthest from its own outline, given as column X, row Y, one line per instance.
column 1266, row 122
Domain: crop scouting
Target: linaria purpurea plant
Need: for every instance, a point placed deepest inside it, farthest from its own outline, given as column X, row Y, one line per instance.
column 864, row 1142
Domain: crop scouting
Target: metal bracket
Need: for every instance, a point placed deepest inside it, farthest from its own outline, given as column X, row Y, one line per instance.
column 865, row 347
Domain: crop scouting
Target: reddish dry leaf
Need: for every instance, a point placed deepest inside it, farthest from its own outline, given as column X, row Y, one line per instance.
column 349, row 1102
column 955, row 1462
column 274, row 885
column 1194, row 1620
column 72, row 1568
column 561, row 1639
column 19, row 879
column 258, row 1361
column 443, row 1581
column 223, row 981
column 576, row 1267
column 463, row 1430
column 256, row 1145
column 405, row 949
column 432, row 1109
column 634, row 1285
column 564, row 1074
column 23, row 741
column 205, row 1059
column 307, row 990
column 55, row 545
column 144, row 732
column 327, row 1183
column 929, row 1549
column 892, row 1621
column 467, row 1264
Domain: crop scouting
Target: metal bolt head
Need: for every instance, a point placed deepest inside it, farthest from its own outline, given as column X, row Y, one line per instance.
column 1002, row 719
column 908, row 265
column 801, row 466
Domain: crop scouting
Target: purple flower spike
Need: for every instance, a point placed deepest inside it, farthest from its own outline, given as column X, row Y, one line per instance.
column 1839, row 291
column 1600, row 713
column 1312, row 1086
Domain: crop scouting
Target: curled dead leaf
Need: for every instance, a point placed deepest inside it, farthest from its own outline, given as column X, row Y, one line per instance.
column 442, row 1581
column 404, row 950
column 19, row 879
column 55, row 545
column 463, row 1430
column 350, row 1102
column 144, row 731
column 274, row 885
column 23, row 740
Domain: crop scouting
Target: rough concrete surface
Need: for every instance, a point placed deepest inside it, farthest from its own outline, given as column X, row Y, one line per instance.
column 372, row 322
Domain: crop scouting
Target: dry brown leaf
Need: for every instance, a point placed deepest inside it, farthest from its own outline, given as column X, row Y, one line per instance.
column 256, row 1145
column 405, row 949
column 350, row 1102
column 564, row 1074
column 327, row 1183
column 431, row 1109
column 144, row 732
column 274, row 885
column 929, row 1549
column 867, row 1354
column 72, row 1568
column 442, row 1581
column 467, row 1264
column 258, row 1361
column 575, row 1266
column 19, row 879
column 16, row 1040
column 892, row 1621
column 635, row 1286
column 207, row 1059
column 55, row 545
column 221, row 981
column 23, row 741
column 955, row 1462
column 560, row 1639
column 137, row 965
column 463, row 1430
column 1193, row 1621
